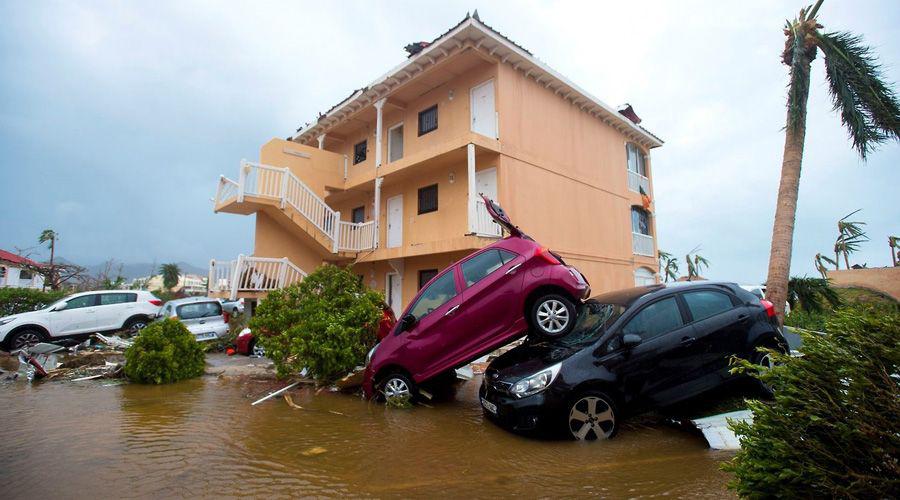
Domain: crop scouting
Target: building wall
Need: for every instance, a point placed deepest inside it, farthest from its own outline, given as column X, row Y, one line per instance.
column 321, row 170
column 11, row 277
column 273, row 239
column 881, row 279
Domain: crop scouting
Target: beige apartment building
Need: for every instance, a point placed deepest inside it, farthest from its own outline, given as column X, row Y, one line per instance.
column 388, row 179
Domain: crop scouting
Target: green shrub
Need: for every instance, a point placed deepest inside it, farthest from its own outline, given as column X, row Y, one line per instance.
column 19, row 300
column 807, row 320
column 164, row 352
column 325, row 323
column 832, row 429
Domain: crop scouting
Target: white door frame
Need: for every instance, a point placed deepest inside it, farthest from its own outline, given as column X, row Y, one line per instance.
column 472, row 107
column 387, row 291
column 389, row 141
column 399, row 222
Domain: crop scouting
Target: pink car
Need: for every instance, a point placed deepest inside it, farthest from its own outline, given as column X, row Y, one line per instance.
column 478, row 304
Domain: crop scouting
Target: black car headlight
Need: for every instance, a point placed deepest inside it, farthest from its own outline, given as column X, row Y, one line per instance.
column 536, row 383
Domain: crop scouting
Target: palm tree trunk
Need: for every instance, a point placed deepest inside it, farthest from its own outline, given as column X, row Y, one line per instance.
column 893, row 255
column 846, row 260
column 786, row 208
column 52, row 269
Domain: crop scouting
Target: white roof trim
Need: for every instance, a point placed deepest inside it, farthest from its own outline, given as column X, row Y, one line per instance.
column 506, row 52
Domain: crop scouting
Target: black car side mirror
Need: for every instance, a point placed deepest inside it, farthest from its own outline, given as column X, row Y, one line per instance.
column 630, row 340
column 406, row 323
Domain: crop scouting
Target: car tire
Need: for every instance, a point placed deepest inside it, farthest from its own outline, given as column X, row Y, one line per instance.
column 765, row 360
column 397, row 388
column 552, row 315
column 254, row 349
column 135, row 325
column 24, row 338
column 591, row 416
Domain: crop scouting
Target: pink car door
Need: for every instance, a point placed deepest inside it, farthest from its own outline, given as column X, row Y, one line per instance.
column 491, row 303
column 436, row 310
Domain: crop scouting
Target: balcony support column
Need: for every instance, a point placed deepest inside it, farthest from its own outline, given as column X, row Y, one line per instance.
column 379, row 104
column 321, row 139
column 377, row 211
column 470, row 163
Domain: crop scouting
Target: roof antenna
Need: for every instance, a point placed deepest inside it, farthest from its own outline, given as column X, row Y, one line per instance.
column 475, row 15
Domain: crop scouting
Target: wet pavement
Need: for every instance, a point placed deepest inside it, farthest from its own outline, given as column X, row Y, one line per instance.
column 202, row 438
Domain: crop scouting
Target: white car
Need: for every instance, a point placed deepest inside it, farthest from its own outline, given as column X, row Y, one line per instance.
column 202, row 316
column 80, row 315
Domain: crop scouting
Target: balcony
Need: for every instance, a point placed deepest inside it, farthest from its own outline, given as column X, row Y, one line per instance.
column 484, row 224
column 642, row 244
column 637, row 181
column 251, row 274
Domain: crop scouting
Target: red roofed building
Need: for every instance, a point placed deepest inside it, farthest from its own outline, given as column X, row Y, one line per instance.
column 18, row 272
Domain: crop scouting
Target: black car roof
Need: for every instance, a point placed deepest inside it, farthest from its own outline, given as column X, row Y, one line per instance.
column 628, row 296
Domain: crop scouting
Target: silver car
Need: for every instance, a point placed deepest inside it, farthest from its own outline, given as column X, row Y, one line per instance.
column 201, row 315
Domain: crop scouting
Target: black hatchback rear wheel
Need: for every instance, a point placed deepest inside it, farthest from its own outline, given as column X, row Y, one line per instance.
column 592, row 416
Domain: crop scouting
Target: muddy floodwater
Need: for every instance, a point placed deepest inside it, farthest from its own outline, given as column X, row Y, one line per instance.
column 202, row 438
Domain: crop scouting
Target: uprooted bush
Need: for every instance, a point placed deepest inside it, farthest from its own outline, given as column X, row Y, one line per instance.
column 19, row 300
column 326, row 323
column 832, row 429
column 164, row 352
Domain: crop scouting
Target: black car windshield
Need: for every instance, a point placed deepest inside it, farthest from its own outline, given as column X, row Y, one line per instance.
column 593, row 319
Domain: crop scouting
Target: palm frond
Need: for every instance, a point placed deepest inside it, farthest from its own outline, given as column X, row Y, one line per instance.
column 810, row 293
column 868, row 106
column 828, row 260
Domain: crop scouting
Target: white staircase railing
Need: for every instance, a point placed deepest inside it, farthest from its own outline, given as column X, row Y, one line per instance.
column 265, row 181
column 252, row 274
column 484, row 223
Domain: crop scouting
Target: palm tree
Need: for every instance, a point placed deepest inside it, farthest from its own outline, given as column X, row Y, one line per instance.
column 696, row 264
column 850, row 235
column 170, row 274
column 869, row 110
column 809, row 292
column 893, row 243
column 820, row 264
column 668, row 265
column 49, row 236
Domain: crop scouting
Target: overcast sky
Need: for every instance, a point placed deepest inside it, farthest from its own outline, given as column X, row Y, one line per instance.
column 116, row 118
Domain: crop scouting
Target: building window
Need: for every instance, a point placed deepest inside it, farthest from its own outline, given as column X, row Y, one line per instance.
column 428, row 199
column 644, row 277
column 425, row 275
column 635, row 159
column 640, row 221
column 395, row 143
column 25, row 274
column 2, row 271
column 359, row 153
column 358, row 214
column 428, row 120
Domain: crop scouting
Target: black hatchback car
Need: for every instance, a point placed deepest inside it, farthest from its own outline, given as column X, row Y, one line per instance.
column 630, row 351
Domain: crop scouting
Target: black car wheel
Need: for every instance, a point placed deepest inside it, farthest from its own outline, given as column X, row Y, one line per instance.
column 397, row 388
column 764, row 359
column 256, row 350
column 25, row 338
column 553, row 315
column 135, row 325
column 592, row 416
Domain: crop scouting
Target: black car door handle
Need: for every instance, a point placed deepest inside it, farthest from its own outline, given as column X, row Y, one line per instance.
column 686, row 341
column 743, row 317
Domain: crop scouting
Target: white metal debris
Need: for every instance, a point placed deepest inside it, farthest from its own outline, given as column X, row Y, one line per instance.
column 716, row 431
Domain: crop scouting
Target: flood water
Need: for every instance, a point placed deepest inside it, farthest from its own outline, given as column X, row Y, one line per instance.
column 202, row 438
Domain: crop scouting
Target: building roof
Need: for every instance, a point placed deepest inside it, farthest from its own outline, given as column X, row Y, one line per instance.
column 17, row 259
column 471, row 32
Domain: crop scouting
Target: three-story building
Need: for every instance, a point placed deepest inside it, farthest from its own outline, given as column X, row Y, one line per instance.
column 388, row 180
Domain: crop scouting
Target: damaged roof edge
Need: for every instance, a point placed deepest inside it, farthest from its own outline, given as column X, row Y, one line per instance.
column 515, row 55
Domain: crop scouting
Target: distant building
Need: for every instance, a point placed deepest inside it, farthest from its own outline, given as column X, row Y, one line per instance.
column 18, row 272
column 188, row 284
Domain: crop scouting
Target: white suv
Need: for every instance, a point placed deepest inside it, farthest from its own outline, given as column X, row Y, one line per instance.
column 79, row 315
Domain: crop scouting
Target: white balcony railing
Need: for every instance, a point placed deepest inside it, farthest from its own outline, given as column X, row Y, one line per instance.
column 637, row 181
column 484, row 223
column 252, row 274
column 265, row 181
column 642, row 244
column 356, row 237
